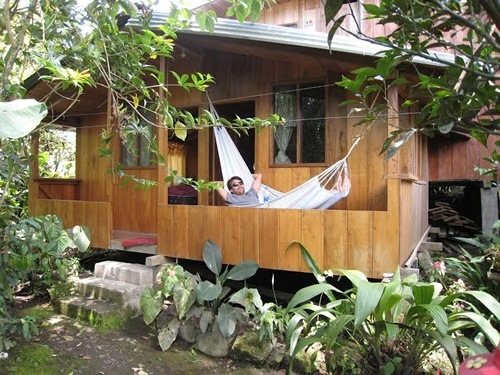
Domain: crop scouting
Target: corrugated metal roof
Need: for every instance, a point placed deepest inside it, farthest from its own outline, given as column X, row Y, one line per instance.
column 233, row 29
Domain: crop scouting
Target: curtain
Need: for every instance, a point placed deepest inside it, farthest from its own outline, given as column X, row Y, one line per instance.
column 285, row 105
column 176, row 158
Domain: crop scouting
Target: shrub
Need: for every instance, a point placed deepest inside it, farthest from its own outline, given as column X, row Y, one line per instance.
column 214, row 301
column 389, row 327
column 37, row 251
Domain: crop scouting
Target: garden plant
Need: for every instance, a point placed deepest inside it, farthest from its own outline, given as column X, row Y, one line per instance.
column 212, row 303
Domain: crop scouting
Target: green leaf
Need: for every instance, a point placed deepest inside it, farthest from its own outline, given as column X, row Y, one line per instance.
column 247, row 297
column 367, row 299
column 481, row 323
column 151, row 304
column 293, row 332
column 423, row 293
column 19, row 117
column 212, row 256
column 184, row 298
column 486, row 299
column 81, row 237
column 180, row 131
column 226, row 319
column 307, row 293
column 243, row 271
column 399, row 142
column 355, row 276
column 332, row 8
column 63, row 241
column 207, row 291
column 417, row 314
column 446, row 127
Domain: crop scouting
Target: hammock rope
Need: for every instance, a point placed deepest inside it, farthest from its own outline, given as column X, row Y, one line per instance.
column 319, row 192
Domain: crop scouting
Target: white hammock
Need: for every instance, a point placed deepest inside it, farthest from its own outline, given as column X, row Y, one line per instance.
column 320, row 192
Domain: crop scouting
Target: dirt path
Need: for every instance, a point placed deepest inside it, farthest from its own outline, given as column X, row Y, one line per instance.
column 66, row 346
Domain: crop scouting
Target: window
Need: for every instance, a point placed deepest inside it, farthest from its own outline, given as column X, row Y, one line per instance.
column 139, row 134
column 302, row 139
column 57, row 152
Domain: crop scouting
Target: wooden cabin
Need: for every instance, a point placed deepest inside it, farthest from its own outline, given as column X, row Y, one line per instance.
column 375, row 229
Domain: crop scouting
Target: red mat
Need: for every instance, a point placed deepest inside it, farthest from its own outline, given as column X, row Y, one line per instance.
column 139, row 241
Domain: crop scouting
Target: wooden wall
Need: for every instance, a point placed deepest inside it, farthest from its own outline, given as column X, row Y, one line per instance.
column 92, row 169
column 453, row 159
column 309, row 15
column 134, row 206
column 364, row 240
column 57, row 188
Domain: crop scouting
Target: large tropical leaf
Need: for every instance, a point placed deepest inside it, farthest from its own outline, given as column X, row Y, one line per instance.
column 226, row 319
column 243, row 271
column 207, row 291
column 212, row 256
column 19, row 117
column 151, row 304
column 367, row 299
column 247, row 297
column 168, row 334
column 308, row 293
column 81, row 237
column 479, row 322
column 184, row 298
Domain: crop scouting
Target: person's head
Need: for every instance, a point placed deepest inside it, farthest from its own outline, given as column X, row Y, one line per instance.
column 235, row 185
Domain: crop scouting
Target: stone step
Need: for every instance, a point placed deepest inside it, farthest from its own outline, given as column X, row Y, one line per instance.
column 106, row 315
column 130, row 273
column 125, row 294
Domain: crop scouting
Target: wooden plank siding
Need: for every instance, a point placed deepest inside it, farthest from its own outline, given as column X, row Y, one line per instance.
column 57, row 188
column 364, row 240
column 453, row 158
column 95, row 215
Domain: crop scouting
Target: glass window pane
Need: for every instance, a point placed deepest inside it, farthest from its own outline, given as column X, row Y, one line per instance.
column 144, row 141
column 129, row 151
column 312, row 108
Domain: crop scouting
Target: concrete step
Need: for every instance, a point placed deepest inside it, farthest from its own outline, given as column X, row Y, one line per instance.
column 137, row 274
column 125, row 294
column 99, row 313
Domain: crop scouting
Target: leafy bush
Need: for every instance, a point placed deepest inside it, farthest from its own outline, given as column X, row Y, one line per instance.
column 211, row 300
column 388, row 327
column 473, row 268
column 37, row 251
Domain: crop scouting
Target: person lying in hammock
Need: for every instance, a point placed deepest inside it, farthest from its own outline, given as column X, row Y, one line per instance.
column 237, row 195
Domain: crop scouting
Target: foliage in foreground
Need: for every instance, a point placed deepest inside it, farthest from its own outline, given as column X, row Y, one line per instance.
column 374, row 327
column 212, row 303
column 40, row 253
column 389, row 327
column 462, row 96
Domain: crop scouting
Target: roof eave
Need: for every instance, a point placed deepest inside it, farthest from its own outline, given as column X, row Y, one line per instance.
column 233, row 29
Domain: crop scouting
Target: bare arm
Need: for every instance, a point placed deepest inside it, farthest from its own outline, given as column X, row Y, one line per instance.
column 257, row 182
column 222, row 192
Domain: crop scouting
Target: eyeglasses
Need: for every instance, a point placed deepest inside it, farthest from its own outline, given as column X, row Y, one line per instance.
column 237, row 184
